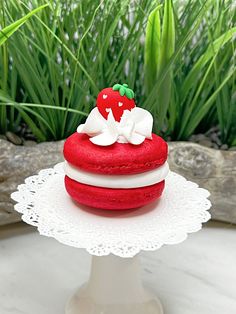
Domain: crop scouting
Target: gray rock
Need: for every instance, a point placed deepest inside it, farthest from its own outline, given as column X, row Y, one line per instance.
column 215, row 138
column 224, row 147
column 206, row 142
column 199, row 137
column 213, row 130
column 30, row 143
column 192, row 138
column 15, row 139
column 3, row 137
column 212, row 169
column 214, row 145
column 19, row 162
column 30, row 137
column 233, row 148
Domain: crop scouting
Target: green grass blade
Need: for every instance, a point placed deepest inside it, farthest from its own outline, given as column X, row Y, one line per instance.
column 9, row 30
column 31, row 123
column 187, row 116
column 212, row 50
column 152, row 48
column 167, row 49
column 197, row 117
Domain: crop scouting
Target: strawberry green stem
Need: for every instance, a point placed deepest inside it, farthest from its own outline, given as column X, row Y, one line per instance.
column 124, row 90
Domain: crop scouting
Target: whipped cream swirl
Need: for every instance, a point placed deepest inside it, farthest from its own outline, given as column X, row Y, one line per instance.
column 134, row 127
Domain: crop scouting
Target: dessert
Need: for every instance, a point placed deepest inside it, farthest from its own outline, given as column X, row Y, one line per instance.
column 114, row 161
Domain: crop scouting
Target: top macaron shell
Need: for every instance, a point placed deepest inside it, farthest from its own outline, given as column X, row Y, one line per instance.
column 116, row 159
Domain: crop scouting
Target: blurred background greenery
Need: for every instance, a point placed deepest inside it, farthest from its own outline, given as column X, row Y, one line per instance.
column 178, row 57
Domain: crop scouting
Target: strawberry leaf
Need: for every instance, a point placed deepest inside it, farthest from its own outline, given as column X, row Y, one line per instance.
column 128, row 93
column 116, row 87
column 132, row 93
column 122, row 90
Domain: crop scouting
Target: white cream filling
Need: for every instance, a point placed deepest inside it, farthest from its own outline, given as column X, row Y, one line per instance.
column 117, row 181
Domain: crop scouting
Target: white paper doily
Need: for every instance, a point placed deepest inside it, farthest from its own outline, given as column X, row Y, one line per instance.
column 44, row 203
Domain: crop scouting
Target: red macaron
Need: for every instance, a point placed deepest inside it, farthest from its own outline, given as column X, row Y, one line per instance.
column 113, row 199
column 117, row 159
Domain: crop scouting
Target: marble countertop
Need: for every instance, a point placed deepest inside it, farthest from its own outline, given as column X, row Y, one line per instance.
column 37, row 274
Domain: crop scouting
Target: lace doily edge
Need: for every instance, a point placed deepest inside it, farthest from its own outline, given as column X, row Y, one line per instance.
column 106, row 250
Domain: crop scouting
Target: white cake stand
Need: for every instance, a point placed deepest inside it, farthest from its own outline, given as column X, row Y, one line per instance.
column 113, row 238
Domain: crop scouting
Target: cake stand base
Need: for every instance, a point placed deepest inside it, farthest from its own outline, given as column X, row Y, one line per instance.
column 114, row 287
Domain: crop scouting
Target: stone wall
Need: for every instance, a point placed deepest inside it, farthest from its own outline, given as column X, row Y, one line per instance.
column 19, row 162
column 212, row 169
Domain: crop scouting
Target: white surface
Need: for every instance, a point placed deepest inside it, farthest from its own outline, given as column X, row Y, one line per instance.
column 195, row 277
column 117, row 181
column 44, row 203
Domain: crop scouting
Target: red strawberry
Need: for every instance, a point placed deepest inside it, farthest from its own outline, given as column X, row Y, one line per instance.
column 117, row 98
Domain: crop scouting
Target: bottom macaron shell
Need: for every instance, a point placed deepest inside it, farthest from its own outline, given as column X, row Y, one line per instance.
column 113, row 199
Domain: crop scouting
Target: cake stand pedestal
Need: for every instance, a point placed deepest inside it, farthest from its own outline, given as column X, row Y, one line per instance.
column 114, row 287
column 114, row 239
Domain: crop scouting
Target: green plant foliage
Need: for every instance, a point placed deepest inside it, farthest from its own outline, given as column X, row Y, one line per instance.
column 204, row 33
column 68, row 54
column 159, row 48
column 167, row 47
column 6, row 33
column 9, row 30
column 177, row 56
column 152, row 49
